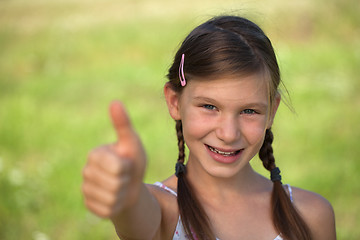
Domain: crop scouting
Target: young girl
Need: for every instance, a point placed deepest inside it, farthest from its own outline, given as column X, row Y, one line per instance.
column 223, row 95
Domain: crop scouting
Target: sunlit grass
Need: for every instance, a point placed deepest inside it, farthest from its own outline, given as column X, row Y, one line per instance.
column 62, row 62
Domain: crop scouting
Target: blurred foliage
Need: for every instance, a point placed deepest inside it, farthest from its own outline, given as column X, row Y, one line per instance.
column 62, row 62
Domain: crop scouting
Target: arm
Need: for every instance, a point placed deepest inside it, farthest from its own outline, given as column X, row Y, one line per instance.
column 113, row 186
column 140, row 221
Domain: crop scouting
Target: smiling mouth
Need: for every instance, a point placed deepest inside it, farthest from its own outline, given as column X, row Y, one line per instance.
column 226, row 154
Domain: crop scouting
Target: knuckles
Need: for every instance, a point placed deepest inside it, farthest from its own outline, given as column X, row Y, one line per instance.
column 86, row 172
column 106, row 158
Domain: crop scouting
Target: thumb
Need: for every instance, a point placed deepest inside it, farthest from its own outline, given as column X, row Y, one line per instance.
column 128, row 145
column 126, row 136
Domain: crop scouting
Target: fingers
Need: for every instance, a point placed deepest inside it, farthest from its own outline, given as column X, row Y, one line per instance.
column 102, row 202
column 99, row 209
column 106, row 181
column 110, row 182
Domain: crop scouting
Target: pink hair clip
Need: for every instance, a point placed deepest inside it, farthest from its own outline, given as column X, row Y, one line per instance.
column 181, row 71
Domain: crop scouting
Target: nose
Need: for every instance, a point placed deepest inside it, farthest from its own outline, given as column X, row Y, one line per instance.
column 228, row 129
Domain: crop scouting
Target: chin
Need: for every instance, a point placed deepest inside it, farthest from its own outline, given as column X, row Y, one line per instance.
column 223, row 171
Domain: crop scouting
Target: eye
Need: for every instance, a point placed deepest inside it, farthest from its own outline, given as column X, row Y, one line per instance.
column 249, row 111
column 209, row 107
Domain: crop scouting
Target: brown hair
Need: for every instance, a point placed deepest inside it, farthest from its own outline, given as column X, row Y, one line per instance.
column 230, row 45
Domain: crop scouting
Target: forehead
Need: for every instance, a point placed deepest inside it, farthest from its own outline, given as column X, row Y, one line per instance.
column 230, row 89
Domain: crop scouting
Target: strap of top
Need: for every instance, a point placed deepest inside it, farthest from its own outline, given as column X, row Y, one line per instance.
column 161, row 185
column 179, row 228
column 290, row 192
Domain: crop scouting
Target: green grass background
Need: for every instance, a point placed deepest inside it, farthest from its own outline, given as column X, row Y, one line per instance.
column 62, row 62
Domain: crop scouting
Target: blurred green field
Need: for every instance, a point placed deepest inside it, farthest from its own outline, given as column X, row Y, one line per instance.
column 62, row 62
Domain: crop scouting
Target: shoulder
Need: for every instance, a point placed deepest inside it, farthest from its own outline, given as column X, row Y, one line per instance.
column 317, row 213
column 169, row 211
column 165, row 190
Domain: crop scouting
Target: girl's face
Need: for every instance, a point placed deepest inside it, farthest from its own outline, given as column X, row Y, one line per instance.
column 224, row 121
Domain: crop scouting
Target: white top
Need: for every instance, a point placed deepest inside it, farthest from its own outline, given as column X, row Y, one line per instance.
column 180, row 234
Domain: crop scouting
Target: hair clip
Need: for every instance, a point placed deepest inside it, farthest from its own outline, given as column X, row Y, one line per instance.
column 181, row 71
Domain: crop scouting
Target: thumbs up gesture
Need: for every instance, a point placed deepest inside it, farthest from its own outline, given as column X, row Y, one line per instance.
column 113, row 174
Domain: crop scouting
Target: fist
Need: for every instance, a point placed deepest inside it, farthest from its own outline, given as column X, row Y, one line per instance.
column 112, row 177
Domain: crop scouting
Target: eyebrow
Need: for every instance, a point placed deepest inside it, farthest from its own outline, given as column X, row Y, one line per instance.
column 206, row 99
column 260, row 105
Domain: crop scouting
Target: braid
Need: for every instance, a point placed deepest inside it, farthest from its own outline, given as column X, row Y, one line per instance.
column 181, row 141
column 194, row 218
column 266, row 151
column 286, row 218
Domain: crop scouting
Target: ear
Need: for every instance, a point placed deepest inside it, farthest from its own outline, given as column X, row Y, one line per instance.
column 274, row 110
column 172, row 100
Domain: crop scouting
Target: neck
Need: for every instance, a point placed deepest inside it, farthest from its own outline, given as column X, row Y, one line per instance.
column 245, row 182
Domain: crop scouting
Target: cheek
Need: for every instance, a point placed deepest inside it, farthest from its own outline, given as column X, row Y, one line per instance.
column 254, row 131
column 195, row 125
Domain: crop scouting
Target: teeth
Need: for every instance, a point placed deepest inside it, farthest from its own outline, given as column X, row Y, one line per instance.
column 221, row 152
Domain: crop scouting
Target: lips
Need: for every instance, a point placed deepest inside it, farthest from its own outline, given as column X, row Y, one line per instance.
column 223, row 152
column 224, row 156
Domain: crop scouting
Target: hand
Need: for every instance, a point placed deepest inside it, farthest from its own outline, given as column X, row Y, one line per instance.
column 113, row 173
